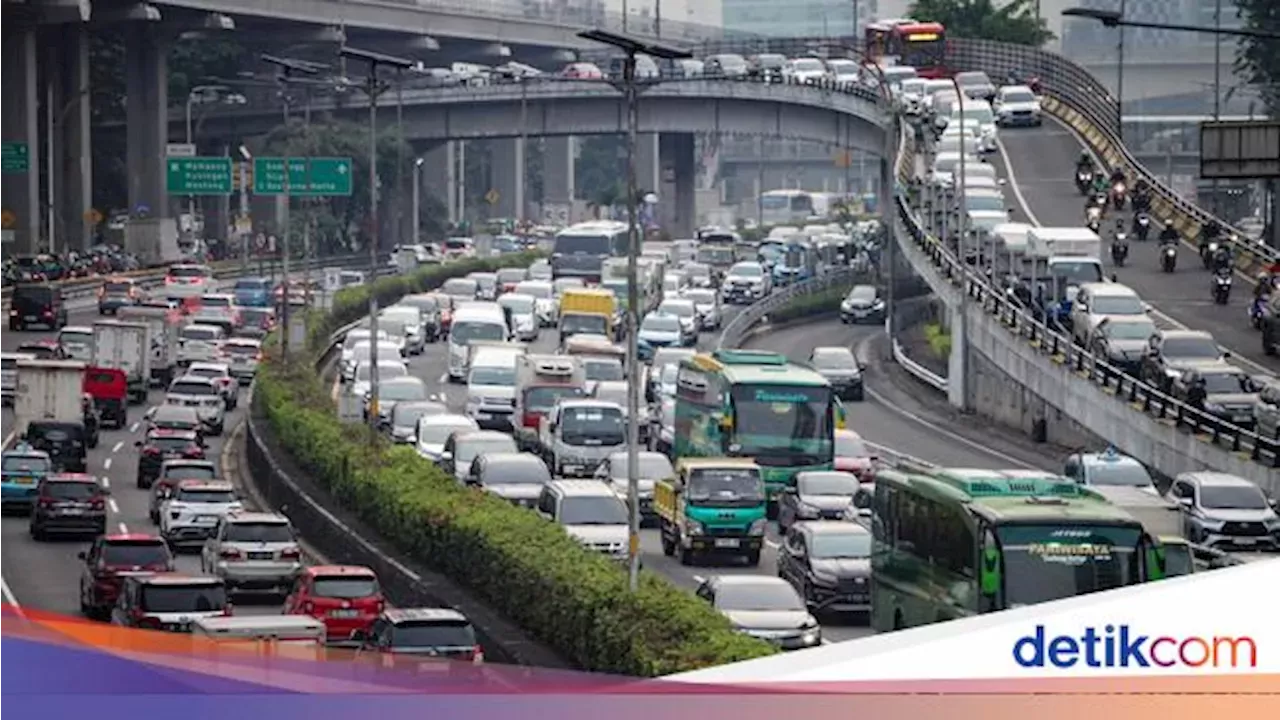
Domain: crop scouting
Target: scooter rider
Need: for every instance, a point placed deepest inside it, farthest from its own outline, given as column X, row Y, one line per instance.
column 1141, row 197
column 1084, row 163
column 1222, row 259
column 1168, row 236
column 1208, row 234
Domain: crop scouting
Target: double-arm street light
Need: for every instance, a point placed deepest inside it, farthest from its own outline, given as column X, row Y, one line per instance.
column 373, row 87
column 628, row 85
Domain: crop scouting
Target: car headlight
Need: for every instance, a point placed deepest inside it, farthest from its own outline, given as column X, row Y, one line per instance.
column 695, row 528
column 824, row 578
column 1272, row 523
column 807, row 511
column 846, row 306
column 758, row 527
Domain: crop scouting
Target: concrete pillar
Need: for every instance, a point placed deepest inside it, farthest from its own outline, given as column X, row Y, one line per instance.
column 67, row 71
column 440, row 176
column 678, row 184
column 958, row 361
column 21, row 192
column 506, row 173
column 648, row 175
column 558, row 181
column 151, row 234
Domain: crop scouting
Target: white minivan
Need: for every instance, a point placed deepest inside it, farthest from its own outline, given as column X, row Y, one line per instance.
column 474, row 321
column 491, row 384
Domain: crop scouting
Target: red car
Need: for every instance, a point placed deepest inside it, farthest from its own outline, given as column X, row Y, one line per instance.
column 345, row 598
column 582, row 71
column 110, row 560
column 852, row 456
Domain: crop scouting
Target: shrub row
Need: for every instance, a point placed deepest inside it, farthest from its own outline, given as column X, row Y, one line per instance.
column 571, row 599
column 820, row 303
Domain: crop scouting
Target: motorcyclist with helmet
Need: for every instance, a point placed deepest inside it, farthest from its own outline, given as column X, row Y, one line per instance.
column 1141, row 197
column 1209, row 233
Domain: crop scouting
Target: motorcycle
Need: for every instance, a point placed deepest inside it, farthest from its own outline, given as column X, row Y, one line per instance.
column 1119, row 249
column 1208, row 252
column 1169, row 258
column 1258, row 311
column 1142, row 226
column 1222, row 287
column 1118, row 196
column 1093, row 217
column 1084, row 178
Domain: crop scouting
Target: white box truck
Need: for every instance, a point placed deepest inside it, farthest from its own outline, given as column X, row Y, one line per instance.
column 126, row 347
column 164, row 324
column 49, row 411
column 1046, row 242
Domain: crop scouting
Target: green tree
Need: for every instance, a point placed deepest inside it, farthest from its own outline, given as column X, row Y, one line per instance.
column 1259, row 58
column 600, row 172
column 340, row 220
column 1014, row 22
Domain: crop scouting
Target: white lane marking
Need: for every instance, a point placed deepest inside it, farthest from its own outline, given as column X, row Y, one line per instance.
column 444, row 379
column 9, row 438
column 116, row 448
column 106, row 481
column 699, row 579
column 10, row 598
column 862, row 354
column 106, row 465
column 124, row 528
column 133, row 428
column 1031, row 216
column 111, row 502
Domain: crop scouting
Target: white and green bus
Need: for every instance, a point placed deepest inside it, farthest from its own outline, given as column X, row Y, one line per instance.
column 951, row 543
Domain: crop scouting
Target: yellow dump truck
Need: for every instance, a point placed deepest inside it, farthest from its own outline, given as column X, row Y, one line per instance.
column 587, row 311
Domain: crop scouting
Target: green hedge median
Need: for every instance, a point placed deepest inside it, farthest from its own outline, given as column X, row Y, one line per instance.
column 568, row 597
column 819, row 303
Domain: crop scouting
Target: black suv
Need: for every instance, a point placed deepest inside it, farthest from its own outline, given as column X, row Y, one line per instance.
column 66, row 442
column 72, row 504
column 37, row 304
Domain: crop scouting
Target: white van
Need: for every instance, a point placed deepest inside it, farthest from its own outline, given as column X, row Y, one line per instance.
column 300, row 636
column 491, row 384
column 474, row 321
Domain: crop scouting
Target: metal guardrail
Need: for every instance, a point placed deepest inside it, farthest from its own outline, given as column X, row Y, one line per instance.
column 920, row 372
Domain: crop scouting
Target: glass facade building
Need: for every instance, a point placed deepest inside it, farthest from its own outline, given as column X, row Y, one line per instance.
column 798, row 18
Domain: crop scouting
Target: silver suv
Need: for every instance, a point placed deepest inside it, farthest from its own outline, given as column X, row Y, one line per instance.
column 1226, row 511
column 204, row 395
column 190, row 515
column 253, row 551
column 1266, row 410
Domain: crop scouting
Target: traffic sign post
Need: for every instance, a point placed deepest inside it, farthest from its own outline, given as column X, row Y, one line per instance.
column 307, row 177
column 15, row 158
column 198, row 175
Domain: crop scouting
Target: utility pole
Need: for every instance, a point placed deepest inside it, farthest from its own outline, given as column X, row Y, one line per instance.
column 373, row 88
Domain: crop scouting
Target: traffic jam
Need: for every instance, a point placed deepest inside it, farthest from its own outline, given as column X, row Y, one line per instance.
column 170, row 365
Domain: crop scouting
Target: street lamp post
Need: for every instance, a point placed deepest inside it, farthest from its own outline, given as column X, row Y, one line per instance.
column 200, row 94
column 417, row 189
column 631, row 47
column 373, row 87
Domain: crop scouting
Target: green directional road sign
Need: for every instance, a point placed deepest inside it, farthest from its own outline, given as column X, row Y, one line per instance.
column 312, row 177
column 15, row 157
column 198, row 175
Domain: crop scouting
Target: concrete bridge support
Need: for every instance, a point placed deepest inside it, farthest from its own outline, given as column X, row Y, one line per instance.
column 150, row 233
column 66, row 94
column 558, row 181
column 440, row 177
column 507, row 156
column 21, row 191
column 677, row 184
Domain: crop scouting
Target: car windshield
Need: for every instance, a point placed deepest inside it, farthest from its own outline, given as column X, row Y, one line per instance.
column 747, row 271
column 192, row 332
column 344, row 587
column 830, row 545
column 170, row 444
column 535, row 289
column 262, row 532
column 518, row 304
column 600, row 423
column 540, row 399
column 669, row 374
column 516, row 472
column 651, row 466
column 1232, row 497
column 1129, row 331
column 207, row 372
column 191, row 472
column 183, row 598
column 711, row 485
column 984, row 201
column 1018, row 96
column 468, row 450
column 406, row 414
column 603, row 370
column 467, row 331
column 827, row 484
column 71, row 490
column 408, row 636
column 1227, row 383
column 660, row 323
column 438, row 433
column 701, row 297
column 402, row 391
column 982, row 113
column 574, row 324
column 491, row 375
column 135, row 554
column 592, row 510
column 460, row 288
column 834, row 359
column 1127, row 474
column 386, row 371
column 758, row 597
column 1191, row 347
column 680, row 309
column 807, row 65
column 849, row 445
column 715, row 255
column 1117, row 305
column 205, row 496
column 25, row 464
column 116, row 288
column 192, row 388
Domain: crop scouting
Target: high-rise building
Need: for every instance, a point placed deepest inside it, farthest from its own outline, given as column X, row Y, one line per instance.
column 1086, row 38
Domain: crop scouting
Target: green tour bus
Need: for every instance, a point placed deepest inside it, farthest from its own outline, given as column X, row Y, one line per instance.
column 951, row 543
column 758, row 405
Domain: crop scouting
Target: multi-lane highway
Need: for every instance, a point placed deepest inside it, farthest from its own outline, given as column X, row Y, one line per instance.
column 1039, row 165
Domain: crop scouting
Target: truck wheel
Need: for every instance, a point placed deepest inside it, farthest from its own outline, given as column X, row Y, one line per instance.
column 753, row 558
column 668, row 546
column 686, row 555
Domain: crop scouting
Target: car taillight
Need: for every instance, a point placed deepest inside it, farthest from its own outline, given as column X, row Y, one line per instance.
column 530, row 419
column 48, row 313
column 97, row 503
column 168, row 280
column 46, row 502
column 291, row 554
column 477, row 655
column 151, row 451
column 230, row 554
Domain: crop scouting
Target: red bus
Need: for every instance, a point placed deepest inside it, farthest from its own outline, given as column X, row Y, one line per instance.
column 921, row 45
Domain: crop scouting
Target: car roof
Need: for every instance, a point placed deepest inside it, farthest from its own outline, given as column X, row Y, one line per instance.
column 1174, row 334
column 446, row 419
column 832, row 527
column 256, row 517
column 398, row 616
column 509, row 458
column 205, row 366
column 132, row 537
column 581, row 488
column 71, row 477
column 1209, row 478
column 177, row 579
column 205, row 485
column 1109, row 289
column 202, row 326
column 75, row 329
column 732, row 580
column 476, row 435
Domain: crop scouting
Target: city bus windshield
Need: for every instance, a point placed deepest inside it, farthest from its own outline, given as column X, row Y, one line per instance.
column 783, row 421
column 1051, row 562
